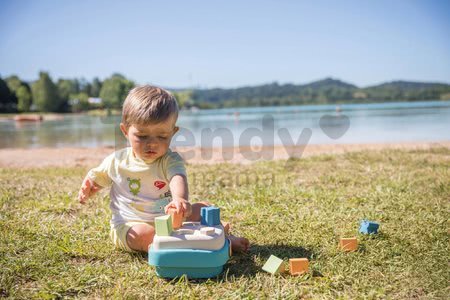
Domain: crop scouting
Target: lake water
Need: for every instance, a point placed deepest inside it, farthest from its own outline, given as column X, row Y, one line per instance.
column 315, row 124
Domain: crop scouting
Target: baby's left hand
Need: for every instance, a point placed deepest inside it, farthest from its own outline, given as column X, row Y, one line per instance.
column 181, row 206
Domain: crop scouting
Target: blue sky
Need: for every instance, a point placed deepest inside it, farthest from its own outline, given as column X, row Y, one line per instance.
column 227, row 43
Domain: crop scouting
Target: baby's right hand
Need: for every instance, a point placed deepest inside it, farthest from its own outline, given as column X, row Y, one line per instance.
column 88, row 188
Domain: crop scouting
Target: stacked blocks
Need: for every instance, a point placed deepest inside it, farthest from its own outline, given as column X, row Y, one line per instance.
column 274, row 265
column 210, row 216
column 177, row 219
column 298, row 266
column 163, row 225
column 368, row 227
column 348, row 244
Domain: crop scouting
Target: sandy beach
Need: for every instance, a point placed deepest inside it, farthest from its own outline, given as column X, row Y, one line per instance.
column 87, row 157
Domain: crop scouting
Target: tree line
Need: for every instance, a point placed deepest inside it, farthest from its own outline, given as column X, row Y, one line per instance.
column 73, row 95
column 69, row 95
column 64, row 95
column 327, row 91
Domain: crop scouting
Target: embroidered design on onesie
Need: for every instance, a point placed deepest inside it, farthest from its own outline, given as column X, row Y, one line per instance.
column 167, row 194
column 134, row 185
column 164, row 199
column 161, row 203
column 139, row 207
column 159, row 184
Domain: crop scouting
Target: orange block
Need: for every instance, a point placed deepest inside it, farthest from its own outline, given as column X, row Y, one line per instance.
column 177, row 219
column 298, row 266
column 348, row 244
column 226, row 226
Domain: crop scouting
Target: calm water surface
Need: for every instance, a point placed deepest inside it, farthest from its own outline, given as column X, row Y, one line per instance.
column 322, row 124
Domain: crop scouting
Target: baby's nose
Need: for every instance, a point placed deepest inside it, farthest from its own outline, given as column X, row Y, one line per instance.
column 152, row 140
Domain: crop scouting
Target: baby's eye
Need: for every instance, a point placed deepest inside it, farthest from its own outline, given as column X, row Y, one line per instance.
column 141, row 137
column 162, row 137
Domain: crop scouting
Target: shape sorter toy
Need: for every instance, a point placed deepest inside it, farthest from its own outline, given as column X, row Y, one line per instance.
column 195, row 250
column 368, row 227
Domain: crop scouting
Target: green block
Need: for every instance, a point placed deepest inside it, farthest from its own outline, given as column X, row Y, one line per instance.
column 163, row 225
column 274, row 265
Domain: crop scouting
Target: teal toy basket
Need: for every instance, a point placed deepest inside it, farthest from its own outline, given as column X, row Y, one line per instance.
column 172, row 263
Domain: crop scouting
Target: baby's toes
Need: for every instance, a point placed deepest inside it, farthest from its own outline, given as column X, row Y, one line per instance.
column 239, row 244
column 245, row 244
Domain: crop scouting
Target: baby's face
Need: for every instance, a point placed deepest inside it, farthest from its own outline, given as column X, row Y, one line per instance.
column 150, row 142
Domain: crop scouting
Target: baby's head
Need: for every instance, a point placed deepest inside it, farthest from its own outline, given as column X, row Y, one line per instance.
column 149, row 115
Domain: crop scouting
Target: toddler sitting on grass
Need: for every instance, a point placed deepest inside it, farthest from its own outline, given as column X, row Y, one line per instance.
column 147, row 178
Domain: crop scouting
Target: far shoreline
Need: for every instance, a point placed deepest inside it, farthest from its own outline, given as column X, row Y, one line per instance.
column 117, row 112
column 89, row 157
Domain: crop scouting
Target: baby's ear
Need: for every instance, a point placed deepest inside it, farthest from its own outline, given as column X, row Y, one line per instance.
column 124, row 129
column 175, row 129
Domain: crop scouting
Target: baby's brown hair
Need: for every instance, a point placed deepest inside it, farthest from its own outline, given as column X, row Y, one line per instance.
column 148, row 105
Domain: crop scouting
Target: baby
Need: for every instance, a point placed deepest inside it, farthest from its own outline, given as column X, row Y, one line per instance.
column 146, row 179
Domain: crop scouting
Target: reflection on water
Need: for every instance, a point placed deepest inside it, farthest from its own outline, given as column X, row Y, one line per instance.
column 385, row 122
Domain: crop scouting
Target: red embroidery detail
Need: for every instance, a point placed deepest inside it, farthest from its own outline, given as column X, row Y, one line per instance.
column 159, row 184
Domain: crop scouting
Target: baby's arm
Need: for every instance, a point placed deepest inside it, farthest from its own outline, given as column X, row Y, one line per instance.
column 96, row 179
column 180, row 195
column 88, row 188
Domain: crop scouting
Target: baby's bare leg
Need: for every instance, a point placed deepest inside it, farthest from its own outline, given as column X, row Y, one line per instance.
column 196, row 208
column 140, row 236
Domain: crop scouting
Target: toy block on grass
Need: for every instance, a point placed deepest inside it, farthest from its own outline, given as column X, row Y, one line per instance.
column 163, row 225
column 298, row 266
column 348, row 244
column 274, row 265
column 368, row 227
column 226, row 226
column 210, row 216
column 177, row 219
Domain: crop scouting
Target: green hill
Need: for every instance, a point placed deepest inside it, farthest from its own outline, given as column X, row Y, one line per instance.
column 324, row 91
column 407, row 91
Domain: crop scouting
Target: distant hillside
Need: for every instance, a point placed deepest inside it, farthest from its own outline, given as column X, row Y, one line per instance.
column 324, row 91
column 407, row 91
column 330, row 83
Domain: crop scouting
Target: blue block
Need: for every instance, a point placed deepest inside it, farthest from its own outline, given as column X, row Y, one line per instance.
column 210, row 216
column 368, row 227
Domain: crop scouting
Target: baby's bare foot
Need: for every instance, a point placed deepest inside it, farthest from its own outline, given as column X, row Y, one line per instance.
column 239, row 244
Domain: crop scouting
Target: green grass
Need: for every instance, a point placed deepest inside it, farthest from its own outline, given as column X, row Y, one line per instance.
column 52, row 247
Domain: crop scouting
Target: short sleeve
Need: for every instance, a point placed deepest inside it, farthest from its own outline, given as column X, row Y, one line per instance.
column 100, row 174
column 175, row 165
